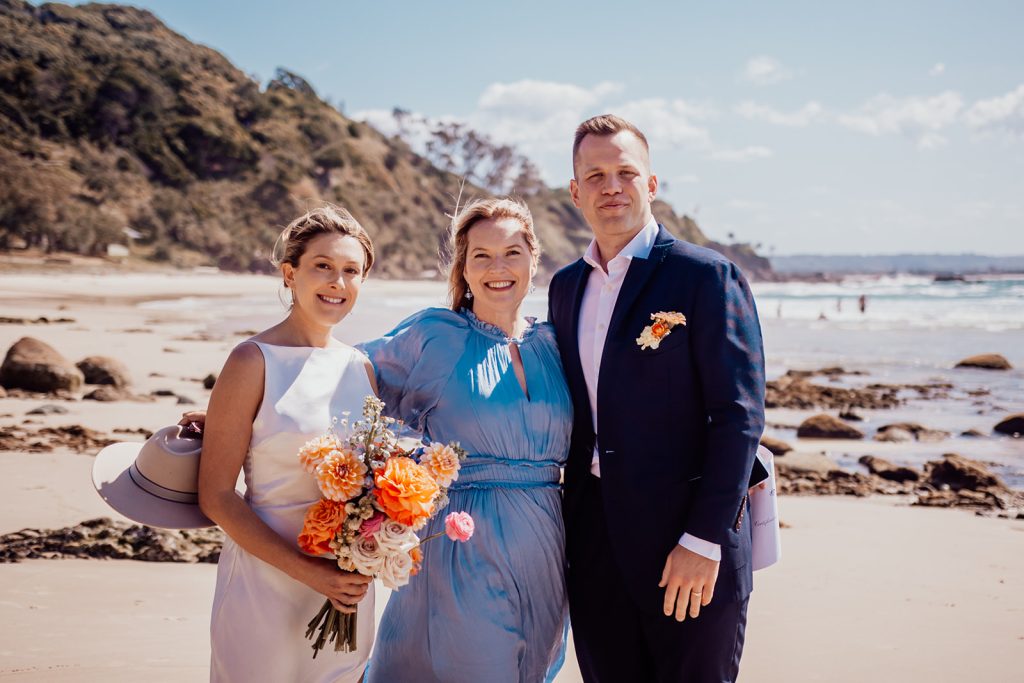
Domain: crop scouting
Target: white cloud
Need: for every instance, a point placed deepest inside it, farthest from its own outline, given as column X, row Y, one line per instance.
column 765, row 70
column 937, row 70
column 809, row 113
column 746, row 205
column 541, row 99
column 669, row 123
column 918, row 118
column 742, row 155
column 1004, row 113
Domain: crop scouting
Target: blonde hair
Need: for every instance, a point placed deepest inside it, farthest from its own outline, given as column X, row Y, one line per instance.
column 458, row 242
column 326, row 220
column 605, row 124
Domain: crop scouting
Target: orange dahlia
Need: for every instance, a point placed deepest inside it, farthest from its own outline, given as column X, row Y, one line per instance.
column 405, row 490
column 341, row 475
column 442, row 462
column 323, row 519
column 315, row 450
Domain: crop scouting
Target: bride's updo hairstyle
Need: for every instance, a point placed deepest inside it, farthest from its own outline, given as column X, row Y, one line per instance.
column 326, row 220
column 458, row 243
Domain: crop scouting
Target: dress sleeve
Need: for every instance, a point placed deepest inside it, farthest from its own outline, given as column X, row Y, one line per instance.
column 414, row 362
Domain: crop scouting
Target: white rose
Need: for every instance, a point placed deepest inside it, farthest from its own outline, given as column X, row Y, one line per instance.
column 394, row 537
column 367, row 556
column 396, row 570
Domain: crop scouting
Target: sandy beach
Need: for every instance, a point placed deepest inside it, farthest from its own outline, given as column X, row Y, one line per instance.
column 870, row 588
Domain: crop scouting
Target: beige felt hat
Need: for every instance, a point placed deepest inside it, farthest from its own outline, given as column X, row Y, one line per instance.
column 155, row 483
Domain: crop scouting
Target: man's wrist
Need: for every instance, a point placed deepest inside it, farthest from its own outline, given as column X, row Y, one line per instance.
column 711, row 551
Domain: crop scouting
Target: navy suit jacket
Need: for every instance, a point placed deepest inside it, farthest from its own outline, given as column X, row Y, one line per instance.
column 679, row 424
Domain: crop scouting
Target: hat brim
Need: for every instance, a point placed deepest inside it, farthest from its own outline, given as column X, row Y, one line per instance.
column 115, row 486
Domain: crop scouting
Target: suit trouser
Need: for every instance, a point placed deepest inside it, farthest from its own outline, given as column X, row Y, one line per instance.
column 616, row 642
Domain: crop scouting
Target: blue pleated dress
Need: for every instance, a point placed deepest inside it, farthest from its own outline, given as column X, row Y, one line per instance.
column 494, row 608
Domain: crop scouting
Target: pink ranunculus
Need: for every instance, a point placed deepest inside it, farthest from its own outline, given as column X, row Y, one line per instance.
column 372, row 525
column 459, row 526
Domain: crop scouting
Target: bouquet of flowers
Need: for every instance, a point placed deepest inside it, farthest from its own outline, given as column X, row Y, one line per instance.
column 376, row 495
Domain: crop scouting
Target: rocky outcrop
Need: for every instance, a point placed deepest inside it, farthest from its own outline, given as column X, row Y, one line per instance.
column 824, row 426
column 36, row 366
column 104, row 370
column 802, row 473
column 986, row 361
column 103, row 538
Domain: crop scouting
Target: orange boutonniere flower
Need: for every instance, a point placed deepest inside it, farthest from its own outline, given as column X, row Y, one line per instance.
column 664, row 321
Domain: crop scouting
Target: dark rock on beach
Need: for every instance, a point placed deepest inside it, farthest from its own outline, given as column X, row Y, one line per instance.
column 887, row 470
column 986, row 361
column 104, row 370
column 1012, row 425
column 107, row 394
column 776, row 446
column 910, row 431
column 103, row 538
column 36, row 366
column 48, row 409
column 209, row 381
column 823, row 426
column 956, row 472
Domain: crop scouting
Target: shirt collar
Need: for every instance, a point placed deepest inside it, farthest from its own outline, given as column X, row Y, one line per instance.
column 638, row 247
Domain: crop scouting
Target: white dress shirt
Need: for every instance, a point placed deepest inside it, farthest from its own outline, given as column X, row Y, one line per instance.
column 599, row 297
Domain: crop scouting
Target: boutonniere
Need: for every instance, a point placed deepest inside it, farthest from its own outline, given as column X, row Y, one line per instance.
column 661, row 327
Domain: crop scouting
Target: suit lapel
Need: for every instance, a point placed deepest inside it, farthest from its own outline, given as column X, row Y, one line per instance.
column 574, row 372
column 640, row 271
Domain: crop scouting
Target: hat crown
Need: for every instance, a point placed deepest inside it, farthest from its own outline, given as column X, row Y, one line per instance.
column 171, row 461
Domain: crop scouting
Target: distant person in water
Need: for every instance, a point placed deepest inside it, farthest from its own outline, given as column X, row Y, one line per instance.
column 863, row 303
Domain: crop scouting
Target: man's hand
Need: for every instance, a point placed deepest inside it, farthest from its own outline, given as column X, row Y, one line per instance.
column 689, row 582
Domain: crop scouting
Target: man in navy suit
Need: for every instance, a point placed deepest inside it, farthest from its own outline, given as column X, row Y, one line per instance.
column 662, row 350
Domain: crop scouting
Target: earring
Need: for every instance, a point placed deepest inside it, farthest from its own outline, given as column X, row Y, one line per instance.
column 290, row 301
column 469, row 294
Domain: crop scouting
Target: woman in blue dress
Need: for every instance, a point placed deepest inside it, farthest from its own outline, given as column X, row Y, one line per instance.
column 493, row 609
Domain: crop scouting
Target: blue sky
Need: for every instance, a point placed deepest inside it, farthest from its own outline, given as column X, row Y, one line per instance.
column 864, row 127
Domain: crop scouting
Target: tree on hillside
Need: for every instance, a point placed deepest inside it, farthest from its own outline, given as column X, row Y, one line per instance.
column 455, row 147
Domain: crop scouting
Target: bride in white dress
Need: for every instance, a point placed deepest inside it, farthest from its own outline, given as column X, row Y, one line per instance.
column 276, row 391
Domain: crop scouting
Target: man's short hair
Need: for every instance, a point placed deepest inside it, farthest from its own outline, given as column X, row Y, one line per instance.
column 605, row 124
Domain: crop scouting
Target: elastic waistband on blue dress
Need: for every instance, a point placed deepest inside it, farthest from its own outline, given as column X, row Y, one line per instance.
column 480, row 471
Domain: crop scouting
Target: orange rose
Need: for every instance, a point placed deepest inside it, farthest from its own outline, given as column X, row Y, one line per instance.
column 659, row 329
column 405, row 490
column 323, row 519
